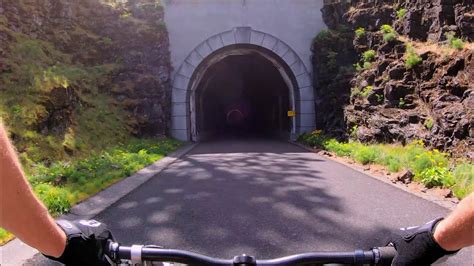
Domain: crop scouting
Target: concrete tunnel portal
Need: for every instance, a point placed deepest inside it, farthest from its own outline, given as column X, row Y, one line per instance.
column 242, row 83
column 242, row 95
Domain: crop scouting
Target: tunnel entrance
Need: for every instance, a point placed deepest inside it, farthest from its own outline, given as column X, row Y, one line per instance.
column 242, row 96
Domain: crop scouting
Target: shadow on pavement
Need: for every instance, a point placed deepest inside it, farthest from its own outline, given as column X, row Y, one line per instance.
column 228, row 198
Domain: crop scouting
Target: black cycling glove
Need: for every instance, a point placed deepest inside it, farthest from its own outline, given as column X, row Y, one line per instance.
column 417, row 246
column 86, row 240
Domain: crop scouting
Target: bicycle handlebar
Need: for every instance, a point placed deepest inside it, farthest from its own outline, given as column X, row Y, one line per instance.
column 137, row 254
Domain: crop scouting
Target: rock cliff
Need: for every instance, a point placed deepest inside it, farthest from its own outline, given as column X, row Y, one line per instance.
column 409, row 82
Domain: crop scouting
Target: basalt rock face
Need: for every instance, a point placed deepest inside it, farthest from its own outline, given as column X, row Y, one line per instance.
column 390, row 101
column 431, row 19
column 130, row 37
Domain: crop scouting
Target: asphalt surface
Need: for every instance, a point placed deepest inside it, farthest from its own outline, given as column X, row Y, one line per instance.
column 267, row 199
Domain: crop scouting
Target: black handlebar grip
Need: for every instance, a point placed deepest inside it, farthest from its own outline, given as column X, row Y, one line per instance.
column 387, row 254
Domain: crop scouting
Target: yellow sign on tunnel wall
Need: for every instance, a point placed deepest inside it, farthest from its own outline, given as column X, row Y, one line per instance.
column 291, row 113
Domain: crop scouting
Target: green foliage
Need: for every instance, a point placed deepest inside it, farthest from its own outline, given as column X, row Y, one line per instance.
column 389, row 34
column 355, row 92
column 429, row 123
column 393, row 163
column 358, row 67
column 360, row 32
column 385, row 28
column 323, row 35
column 430, row 167
column 401, row 13
column 353, row 131
column 436, row 177
column 454, row 42
column 367, row 65
column 126, row 14
column 388, row 37
column 365, row 93
column 401, row 103
column 412, row 58
column 61, row 184
column 314, row 139
column 422, row 160
column 340, row 148
column 56, row 199
column 464, row 178
column 366, row 154
column 4, row 236
column 379, row 97
column 369, row 55
column 107, row 41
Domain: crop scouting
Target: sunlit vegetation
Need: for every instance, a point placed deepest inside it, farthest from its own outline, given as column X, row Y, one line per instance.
column 454, row 42
column 360, row 32
column 412, row 59
column 61, row 184
column 389, row 34
column 430, row 167
column 401, row 13
column 369, row 55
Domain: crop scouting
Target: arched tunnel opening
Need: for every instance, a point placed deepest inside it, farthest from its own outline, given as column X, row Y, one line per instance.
column 242, row 96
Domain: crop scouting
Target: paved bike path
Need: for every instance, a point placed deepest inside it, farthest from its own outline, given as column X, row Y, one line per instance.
column 267, row 199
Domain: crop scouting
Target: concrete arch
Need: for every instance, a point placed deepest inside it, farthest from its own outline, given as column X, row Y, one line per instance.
column 240, row 40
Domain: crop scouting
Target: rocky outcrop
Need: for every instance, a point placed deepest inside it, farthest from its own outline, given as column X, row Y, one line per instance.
column 333, row 56
column 391, row 101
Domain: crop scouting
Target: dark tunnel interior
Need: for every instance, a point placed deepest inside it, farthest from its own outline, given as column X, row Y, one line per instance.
column 242, row 96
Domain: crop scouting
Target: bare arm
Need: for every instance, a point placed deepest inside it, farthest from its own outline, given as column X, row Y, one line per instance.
column 20, row 211
column 457, row 230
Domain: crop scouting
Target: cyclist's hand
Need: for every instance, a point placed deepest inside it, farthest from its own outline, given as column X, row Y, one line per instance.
column 417, row 246
column 86, row 240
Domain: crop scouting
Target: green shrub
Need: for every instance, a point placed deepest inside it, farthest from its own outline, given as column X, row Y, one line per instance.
column 366, row 154
column 454, row 42
column 412, row 58
column 107, row 41
column 429, row 123
column 388, row 37
column 322, row 36
column 358, row 67
column 393, row 163
column 464, row 177
column 63, row 183
column 389, row 34
column 360, row 32
column 429, row 166
column 366, row 91
column 369, row 55
column 56, row 199
column 367, row 65
column 437, row 176
column 423, row 160
column 401, row 13
column 339, row 148
column 314, row 139
column 379, row 97
column 385, row 28
column 401, row 103
column 355, row 92
column 353, row 131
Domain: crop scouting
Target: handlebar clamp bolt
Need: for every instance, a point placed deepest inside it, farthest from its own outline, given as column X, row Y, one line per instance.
column 244, row 260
